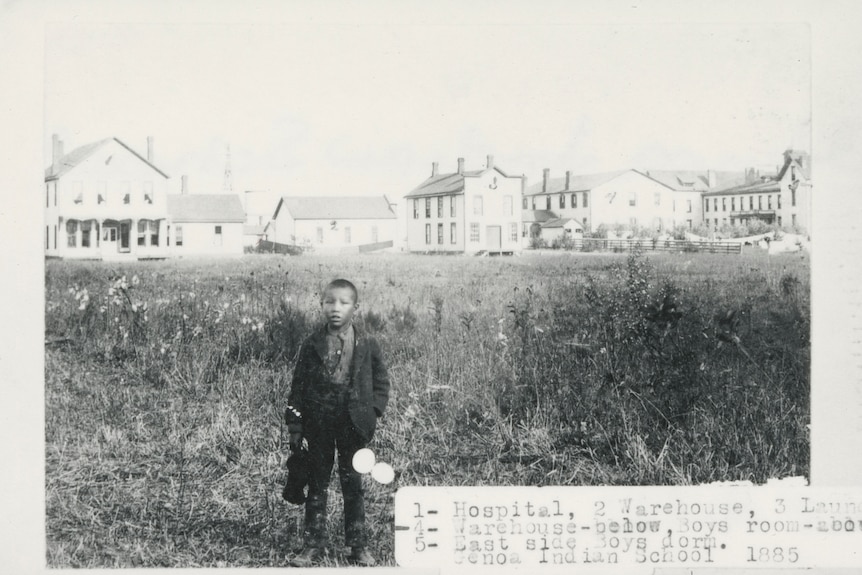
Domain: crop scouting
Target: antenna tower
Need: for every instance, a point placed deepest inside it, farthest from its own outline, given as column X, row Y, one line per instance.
column 227, row 187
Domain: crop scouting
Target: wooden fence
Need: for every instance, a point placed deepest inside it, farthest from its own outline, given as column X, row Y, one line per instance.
column 646, row 244
column 272, row 247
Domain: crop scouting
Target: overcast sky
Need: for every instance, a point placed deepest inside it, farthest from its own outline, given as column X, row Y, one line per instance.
column 333, row 109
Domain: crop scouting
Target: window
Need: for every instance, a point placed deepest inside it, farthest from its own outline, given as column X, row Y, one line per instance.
column 633, row 199
column 125, row 235
column 574, row 200
column 440, row 233
column 778, row 199
column 148, row 192
column 71, row 233
column 217, row 236
column 347, row 238
column 723, row 204
column 750, row 202
column 779, row 221
column 715, row 204
column 319, row 235
column 427, row 208
column 452, row 206
column 374, row 239
column 86, row 232
column 474, row 232
column 524, row 203
column 440, row 207
column 769, row 202
column 47, row 237
column 142, row 232
column 55, row 237
column 513, row 232
column 508, row 207
column 178, row 236
column 658, row 199
column 562, row 202
column 154, row 233
column 586, row 197
column 101, row 192
column 586, row 227
column 688, row 206
column 689, row 224
column 547, row 202
column 792, row 173
column 793, row 219
column 759, row 202
column 732, row 204
column 77, row 192
column 427, row 233
column 706, row 205
column 452, row 233
column 415, row 209
column 716, row 223
column 477, row 205
column 793, row 197
column 633, row 222
column 48, row 197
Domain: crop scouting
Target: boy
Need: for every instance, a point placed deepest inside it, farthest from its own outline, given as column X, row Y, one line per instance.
column 340, row 387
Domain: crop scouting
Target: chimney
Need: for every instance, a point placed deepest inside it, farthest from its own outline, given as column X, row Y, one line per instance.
column 711, row 181
column 150, row 157
column 546, row 173
column 460, row 165
column 568, row 180
column 56, row 153
column 185, row 186
column 433, row 169
column 490, row 162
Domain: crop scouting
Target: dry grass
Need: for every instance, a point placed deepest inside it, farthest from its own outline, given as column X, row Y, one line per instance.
column 164, row 440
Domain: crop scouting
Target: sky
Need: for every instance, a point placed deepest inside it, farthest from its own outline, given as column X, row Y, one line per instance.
column 318, row 108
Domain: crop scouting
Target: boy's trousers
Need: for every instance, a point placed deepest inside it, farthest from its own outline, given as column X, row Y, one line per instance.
column 328, row 430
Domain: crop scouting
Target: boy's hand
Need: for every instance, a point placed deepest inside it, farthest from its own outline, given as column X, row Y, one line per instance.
column 295, row 441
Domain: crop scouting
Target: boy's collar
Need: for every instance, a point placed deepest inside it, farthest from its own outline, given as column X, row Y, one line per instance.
column 340, row 332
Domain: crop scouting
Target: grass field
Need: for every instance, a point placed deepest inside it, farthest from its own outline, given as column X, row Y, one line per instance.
column 166, row 383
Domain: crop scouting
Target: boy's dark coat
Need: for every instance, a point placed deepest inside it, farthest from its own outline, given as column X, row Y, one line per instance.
column 369, row 386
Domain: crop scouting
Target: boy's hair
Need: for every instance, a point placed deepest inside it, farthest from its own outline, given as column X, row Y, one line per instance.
column 342, row 284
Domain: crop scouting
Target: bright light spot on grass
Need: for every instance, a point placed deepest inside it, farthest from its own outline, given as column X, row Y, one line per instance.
column 383, row 473
column 363, row 460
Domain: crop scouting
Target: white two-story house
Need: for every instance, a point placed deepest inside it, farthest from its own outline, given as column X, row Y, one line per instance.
column 104, row 200
column 465, row 211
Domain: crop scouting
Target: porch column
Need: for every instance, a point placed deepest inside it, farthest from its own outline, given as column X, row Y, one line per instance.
column 163, row 236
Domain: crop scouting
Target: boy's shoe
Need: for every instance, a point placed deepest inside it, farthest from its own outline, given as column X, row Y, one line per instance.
column 360, row 556
column 307, row 557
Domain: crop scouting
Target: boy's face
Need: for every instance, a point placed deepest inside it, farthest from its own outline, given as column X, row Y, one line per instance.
column 338, row 307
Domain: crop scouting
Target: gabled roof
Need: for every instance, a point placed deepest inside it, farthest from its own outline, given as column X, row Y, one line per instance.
column 537, row 215
column 577, row 183
column 336, row 208
column 443, row 184
column 761, row 187
column 81, row 153
column 694, row 180
column 561, row 223
column 801, row 159
column 205, row 208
